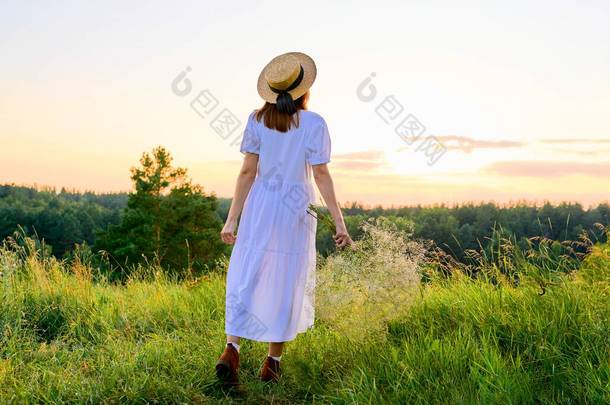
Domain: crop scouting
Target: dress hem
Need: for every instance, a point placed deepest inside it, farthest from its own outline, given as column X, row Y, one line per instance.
column 266, row 339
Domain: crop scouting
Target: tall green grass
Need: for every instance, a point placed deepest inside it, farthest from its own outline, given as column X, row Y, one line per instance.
column 381, row 336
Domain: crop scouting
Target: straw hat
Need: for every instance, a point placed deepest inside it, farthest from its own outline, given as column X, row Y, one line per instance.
column 292, row 72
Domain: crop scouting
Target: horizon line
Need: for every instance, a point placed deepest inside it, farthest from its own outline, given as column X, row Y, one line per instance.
column 347, row 204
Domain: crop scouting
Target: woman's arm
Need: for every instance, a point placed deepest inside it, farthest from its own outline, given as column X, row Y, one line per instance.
column 246, row 177
column 327, row 189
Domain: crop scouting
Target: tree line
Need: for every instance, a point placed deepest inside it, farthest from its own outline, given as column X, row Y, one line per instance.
column 171, row 222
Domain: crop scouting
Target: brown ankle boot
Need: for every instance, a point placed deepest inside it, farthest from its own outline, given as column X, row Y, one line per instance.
column 270, row 370
column 228, row 365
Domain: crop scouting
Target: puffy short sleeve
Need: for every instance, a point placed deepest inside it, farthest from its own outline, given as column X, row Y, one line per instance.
column 250, row 141
column 318, row 147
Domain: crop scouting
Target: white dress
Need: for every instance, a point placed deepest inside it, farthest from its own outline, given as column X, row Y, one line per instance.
column 271, row 275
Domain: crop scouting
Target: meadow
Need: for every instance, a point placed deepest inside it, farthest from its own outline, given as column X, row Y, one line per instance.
column 395, row 324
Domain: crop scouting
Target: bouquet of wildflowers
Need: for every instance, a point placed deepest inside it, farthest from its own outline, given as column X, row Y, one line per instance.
column 322, row 216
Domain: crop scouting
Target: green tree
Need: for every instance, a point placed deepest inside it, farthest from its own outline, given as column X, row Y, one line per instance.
column 168, row 220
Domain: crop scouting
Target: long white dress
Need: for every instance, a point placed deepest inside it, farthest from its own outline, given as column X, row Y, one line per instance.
column 271, row 275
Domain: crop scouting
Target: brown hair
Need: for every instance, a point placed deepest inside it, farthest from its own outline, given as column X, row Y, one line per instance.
column 278, row 120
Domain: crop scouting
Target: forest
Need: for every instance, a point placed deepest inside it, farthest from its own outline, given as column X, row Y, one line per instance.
column 67, row 218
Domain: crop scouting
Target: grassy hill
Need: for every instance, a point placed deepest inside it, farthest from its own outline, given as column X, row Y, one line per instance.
column 381, row 335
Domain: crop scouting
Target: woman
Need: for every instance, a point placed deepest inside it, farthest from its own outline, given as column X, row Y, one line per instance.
column 271, row 275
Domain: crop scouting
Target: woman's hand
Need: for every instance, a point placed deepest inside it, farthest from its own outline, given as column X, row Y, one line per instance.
column 341, row 236
column 228, row 232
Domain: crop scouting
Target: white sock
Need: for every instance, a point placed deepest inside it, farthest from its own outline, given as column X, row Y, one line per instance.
column 276, row 358
column 235, row 345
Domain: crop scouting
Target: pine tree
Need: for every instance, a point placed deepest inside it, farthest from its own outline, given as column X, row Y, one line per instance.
column 168, row 220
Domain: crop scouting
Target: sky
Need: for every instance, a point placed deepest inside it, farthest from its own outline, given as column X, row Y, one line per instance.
column 504, row 101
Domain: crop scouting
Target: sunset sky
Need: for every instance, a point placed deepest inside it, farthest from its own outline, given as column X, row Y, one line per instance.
column 518, row 92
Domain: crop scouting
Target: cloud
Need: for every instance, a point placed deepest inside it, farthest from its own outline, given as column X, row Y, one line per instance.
column 576, row 140
column 581, row 152
column 466, row 144
column 368, row 155
column 548, row 169
column 579, row 146
column 365, row 160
